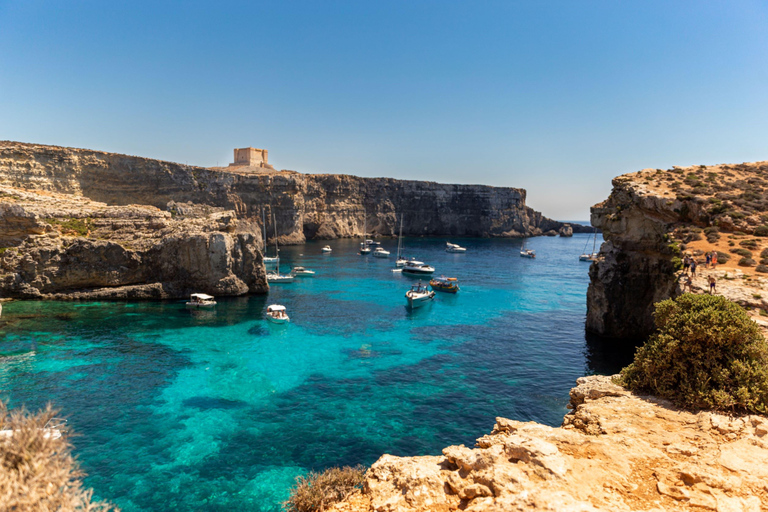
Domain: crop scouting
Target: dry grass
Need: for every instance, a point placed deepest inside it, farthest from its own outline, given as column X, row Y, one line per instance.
column 37, row 471
column 317, row 491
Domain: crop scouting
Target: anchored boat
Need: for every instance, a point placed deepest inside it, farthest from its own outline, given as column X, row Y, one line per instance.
column 277, row 314
column 201, row 300
column 445, row 284
column 417, row 267
column 302, row 272
column 418, row 295
column 381, row 253
column 449, row 247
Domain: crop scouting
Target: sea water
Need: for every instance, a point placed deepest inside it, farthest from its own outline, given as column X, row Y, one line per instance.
column 179, row 409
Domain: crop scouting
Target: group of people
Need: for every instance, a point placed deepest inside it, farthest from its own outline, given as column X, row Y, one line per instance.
column 689, row 264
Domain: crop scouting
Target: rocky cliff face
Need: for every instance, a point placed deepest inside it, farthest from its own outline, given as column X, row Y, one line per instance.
column 57, row 246
column 304, row 206
column 615, row 451
column 654, row 216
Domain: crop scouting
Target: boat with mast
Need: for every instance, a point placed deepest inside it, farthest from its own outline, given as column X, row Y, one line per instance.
column 364, row 247
column 275, row 276
column 593, row 255
column 527, row 253
column 400, row 261
column 269, row 263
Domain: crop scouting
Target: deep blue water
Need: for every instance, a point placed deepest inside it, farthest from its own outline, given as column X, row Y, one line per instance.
column 220, row 410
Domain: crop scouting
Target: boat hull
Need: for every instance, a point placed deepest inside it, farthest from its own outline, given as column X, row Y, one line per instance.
column 418, row 272
column 278, row 320
column 419, row 300
column 201, row 306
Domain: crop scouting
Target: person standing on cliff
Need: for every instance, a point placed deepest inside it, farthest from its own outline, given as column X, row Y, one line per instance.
column 688, row 284
column 686, row 263
column 712, row 282
column 714, row 259
column 693, row 266
column 709, row 260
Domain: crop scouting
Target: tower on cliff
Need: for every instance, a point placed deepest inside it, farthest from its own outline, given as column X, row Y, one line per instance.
column 251, row 157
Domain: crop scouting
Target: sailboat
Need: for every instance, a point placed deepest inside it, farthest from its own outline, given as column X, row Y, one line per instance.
column 364, row 246
column 527, row 253
column 275, row 276
column 593, row 256
column 400, row 261
column 269, row 263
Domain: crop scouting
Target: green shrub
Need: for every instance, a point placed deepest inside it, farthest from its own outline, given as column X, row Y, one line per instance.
column 706, row 353
column 761, row 231
column 747, row 262
column 764, row 253
column 762, row 268
column 318, row 491
column 723, row 257
column 749, row 244
column 72, row 226
column 741, row 252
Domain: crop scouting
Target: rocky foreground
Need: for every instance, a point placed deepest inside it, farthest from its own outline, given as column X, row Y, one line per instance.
column 616, row 451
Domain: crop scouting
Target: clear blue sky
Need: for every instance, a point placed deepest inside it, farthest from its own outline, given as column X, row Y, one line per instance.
column 554, row 97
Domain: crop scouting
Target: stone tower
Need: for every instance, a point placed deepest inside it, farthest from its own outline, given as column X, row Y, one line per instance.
column 250, row 157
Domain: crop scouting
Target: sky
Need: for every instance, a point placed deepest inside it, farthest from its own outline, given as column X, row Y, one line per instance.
column 554, row 97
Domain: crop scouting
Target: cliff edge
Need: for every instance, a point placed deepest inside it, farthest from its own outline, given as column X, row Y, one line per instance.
column 616, row 451
column 654, row 218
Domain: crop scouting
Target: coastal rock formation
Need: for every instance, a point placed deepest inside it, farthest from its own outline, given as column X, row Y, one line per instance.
column 566, row 230
column 616, row 451
column 304, row 206
column 57, row 246
column 652, row 219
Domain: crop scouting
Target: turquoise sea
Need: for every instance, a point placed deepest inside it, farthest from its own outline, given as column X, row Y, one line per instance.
column 180, row 410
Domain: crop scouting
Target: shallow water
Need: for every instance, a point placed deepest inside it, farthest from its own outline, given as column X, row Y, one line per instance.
column 220, row 410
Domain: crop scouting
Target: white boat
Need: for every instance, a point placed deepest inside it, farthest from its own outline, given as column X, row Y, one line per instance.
column 302, row 272
column 277, row 314
column 401, row 260
column 593, row 256
column 526, row 253
column 364, row 247
column 200, row 300
column 277, row 278
column 327, row 248
column 381, row 253
column 418, row 295
column 417, row 267
column 449, row 247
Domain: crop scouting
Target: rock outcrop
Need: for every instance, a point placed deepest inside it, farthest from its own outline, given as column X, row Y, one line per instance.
column 58, row 246
column 616, row 451
column 652, row 218
column 304, row 206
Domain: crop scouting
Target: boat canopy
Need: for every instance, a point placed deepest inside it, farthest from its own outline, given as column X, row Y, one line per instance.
column 275, row 307
column 201, row 296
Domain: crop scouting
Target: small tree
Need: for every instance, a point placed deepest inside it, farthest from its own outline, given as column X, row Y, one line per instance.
column 317, row 491
column 706, row 353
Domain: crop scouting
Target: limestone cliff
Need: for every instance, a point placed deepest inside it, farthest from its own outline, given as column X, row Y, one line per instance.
column 305, row 206
column 58, row 246
column 652, row 218
column 616, row 451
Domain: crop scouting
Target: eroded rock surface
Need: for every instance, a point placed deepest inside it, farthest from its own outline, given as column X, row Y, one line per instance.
column 59, row 246
column 616, row 451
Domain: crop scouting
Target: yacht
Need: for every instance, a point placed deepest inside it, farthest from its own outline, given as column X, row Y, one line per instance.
column 277, row 314
column 527, row 253
column 302, row 272
column 200, row 300
column 417, row 267
column 381, row 253
column 445, row 284
column 449, row 247
column 418, row 295
column 327, row 248
column 364, row 249
column 401, row 260
column 593, row 255
column 278, row 278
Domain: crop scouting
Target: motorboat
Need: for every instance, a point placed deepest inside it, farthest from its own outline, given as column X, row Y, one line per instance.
column 302, row 272
column 371, row 243
column 445, row 284
column 364, row 249
column 278, row 278
column 277, row 314
column 418, row 295
column 201, row 300
column 417, row 267
column 327, row 248
column 527, row 253
column 381, row 253
column 593, row 255
column 449, row 247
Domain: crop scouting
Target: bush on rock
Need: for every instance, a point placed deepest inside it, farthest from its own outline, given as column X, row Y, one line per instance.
column 706, row 353
column 318, row 491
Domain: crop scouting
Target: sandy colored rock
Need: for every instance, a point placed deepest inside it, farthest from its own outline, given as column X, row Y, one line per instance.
column 646, row 455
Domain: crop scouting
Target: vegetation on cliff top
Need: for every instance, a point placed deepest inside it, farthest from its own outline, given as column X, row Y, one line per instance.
column 706, row 353
column 37, row 471
column 317, row 491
